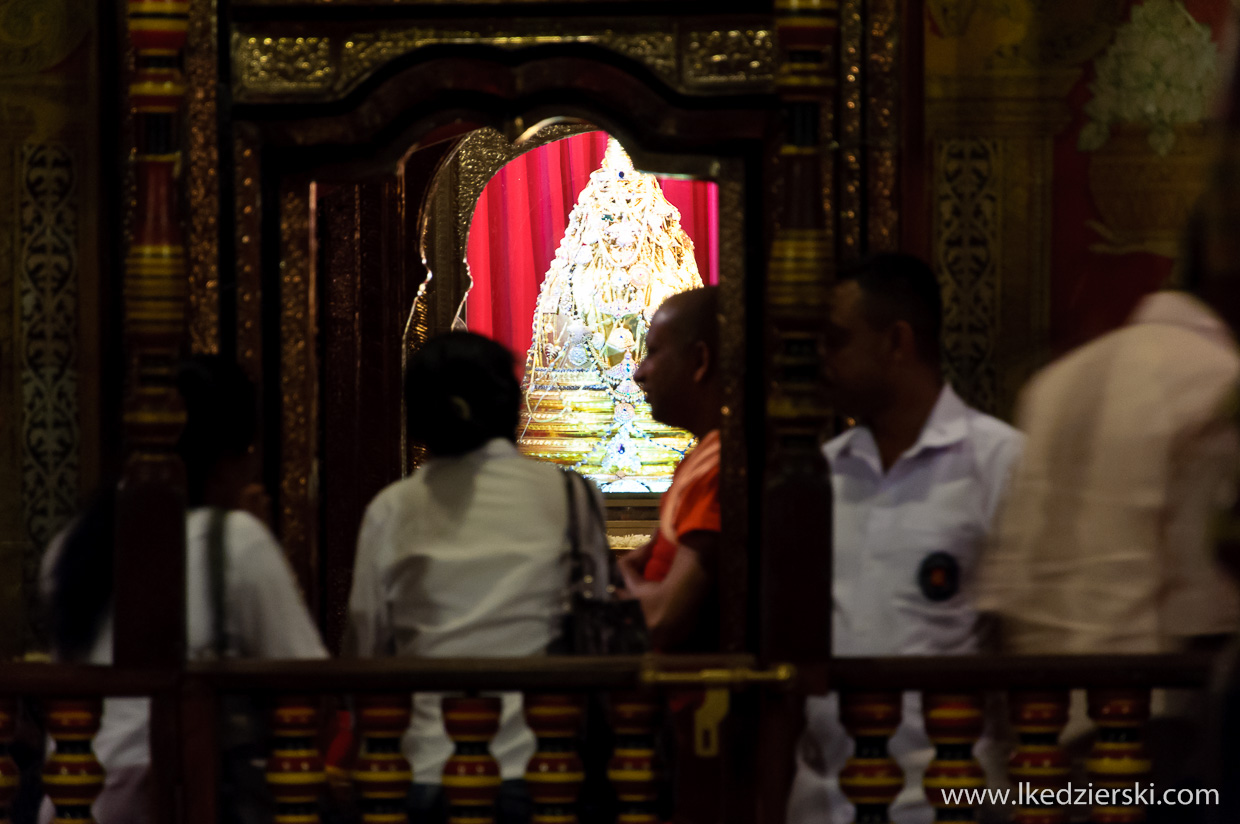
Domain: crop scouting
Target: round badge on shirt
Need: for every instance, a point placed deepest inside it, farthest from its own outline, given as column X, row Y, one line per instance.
column 939, row 576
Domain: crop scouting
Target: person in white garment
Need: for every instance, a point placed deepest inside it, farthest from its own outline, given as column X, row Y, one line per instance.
column 468, row 556
column 916, row 483
column 1105, row 546
column 264, row 614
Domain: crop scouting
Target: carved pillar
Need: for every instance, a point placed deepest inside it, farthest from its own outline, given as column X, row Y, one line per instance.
column 953, row 723
column 555, row 773
column 471, row 777
column 1039, row 763
column 295, row 771
column 797, row 495
column 1118, row 760
column 73, row 776
column 382, row 774
column 871, row 778
column 150, row 562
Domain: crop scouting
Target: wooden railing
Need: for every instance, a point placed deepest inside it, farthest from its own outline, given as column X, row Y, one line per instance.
column 952, row 689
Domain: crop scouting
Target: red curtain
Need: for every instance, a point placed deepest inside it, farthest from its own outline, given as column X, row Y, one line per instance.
column 521, row 217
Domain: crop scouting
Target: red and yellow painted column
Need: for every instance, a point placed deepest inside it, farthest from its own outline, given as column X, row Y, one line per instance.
column 471, row 776
column 1040, row 762
column 295, row 771
column 555, row 774
column 72, row 776
column 382, row 773
column 871, row 778
column 150, row 620
column 631, row 770
column 954, row 723
column 1119, row 760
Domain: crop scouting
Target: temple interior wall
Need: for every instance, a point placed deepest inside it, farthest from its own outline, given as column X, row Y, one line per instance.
column 1041, row 243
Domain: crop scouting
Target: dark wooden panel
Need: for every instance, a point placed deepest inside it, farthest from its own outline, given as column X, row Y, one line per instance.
column 369, row 277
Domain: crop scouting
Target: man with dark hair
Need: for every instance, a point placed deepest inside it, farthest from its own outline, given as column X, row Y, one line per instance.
column 673, row 575
column 916, row 482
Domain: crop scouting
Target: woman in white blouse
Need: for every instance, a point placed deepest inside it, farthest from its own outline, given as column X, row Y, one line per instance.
column 264, row 615
column 465, row 557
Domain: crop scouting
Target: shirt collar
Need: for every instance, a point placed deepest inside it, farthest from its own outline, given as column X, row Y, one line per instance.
column 494, row 448
column 1183, row 310
column 947, row 424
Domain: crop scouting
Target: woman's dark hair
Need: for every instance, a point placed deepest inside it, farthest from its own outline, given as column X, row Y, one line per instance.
column 82, row 578
column 220, row 417
column 219, row 421
column 461, row 391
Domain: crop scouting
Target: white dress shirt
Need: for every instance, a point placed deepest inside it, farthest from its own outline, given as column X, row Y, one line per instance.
column 1105, row 546
column 906, row 549
column 264, row 617
column 466, row 557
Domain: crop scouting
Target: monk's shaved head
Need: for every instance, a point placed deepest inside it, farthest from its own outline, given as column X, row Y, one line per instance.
column 680, row 370
column 694, row 316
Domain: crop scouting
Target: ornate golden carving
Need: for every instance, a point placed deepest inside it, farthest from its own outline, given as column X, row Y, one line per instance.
column 38, row 35
column 249, row 254
column 656, row 50
column 365, row 52
column 734, row 56
column 283, row 64
column 968, row 224
column 326, row 68
column 202, row 179
column 882, row 98
column 298, row 383
column 849, row 131
column 997, row 80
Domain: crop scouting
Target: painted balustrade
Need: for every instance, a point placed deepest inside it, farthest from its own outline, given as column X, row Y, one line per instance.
column 954, row 723
column 555, row 773
column 634, row 718
column 295, row 772
column 471, row 776
column 72, row 775
column 1039, row 764
column 871, row 779
column 381, row 773
column 1118, row 760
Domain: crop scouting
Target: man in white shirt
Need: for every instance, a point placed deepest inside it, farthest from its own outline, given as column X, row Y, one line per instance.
column 916, row 484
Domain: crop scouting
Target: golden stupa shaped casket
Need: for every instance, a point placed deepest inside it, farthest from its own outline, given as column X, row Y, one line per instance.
column 622, row 254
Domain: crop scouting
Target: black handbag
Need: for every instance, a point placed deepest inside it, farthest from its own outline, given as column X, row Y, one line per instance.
column 244, row 797
column 595, row 622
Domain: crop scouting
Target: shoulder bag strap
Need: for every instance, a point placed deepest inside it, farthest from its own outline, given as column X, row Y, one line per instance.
column 575, row 570
column 583, row 532
column 216, row 562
